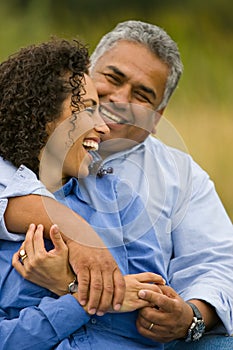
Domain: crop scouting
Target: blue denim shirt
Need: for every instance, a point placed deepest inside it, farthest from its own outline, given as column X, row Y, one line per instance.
column 33, row 317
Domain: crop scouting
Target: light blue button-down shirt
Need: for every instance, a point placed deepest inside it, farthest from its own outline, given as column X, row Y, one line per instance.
column 32, row 317
column 193, row 228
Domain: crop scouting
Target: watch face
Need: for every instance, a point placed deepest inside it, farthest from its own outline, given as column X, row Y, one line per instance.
column 73, row 287
column 198, row 330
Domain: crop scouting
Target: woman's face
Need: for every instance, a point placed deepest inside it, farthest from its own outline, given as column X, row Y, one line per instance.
column 71, row 137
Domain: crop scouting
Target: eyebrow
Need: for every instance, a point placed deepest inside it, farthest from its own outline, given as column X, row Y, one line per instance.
column 117, row 71
column 142, row 87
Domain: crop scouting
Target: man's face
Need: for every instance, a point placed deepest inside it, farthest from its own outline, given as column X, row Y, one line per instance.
column 130, row 82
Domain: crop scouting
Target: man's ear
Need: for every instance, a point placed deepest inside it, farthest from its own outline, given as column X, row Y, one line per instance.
column 158, row 115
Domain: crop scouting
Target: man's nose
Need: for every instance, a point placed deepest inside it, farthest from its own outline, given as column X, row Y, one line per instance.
column 99, row 124
column 121, row 94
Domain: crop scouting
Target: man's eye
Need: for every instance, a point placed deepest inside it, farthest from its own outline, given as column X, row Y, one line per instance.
column 112, row 78
column 142, row 97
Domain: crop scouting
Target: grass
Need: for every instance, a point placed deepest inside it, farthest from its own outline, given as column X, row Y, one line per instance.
column 201, row 109
column 207, row 136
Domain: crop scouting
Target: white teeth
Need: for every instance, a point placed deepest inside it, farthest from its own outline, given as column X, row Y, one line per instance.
column 111, row 116
column 91, row 145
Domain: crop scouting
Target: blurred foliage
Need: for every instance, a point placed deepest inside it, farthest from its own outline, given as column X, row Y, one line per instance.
column 201, row 108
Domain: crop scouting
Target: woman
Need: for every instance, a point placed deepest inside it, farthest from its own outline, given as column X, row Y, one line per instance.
column 33, row 316
column 33, row 88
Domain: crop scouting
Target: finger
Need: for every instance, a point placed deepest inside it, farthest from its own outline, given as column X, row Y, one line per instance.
column 83, row 276
column 38, row 240
column 161, row 301
column 119, row 289
column 56, row 238
column 96, row 289
column 107, row 293
column 168, row 291
column 151, row 286
column 28, row 243
column 17, row 264
column 150, row 327
column 150, row 277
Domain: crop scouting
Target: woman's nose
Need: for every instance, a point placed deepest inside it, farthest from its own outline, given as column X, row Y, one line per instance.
column 99, row 124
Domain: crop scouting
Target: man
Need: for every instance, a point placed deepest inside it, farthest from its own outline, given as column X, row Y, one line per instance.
column 136, row 68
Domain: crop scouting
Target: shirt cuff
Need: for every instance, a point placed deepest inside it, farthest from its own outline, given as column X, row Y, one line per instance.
column 65, row 314
column 4, row 233
column 222, row 304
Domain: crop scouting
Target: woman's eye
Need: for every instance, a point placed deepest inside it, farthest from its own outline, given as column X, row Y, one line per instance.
column 90, row 110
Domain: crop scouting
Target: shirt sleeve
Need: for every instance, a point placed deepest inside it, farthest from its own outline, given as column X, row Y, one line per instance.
column 42, row 326
column 201, row 266
column 14, row 183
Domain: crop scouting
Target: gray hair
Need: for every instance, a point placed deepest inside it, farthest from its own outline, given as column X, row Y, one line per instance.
column 155, row 39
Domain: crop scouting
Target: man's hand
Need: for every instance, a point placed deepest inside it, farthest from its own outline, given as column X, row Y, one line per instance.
column 100, row 282
column 169, row 319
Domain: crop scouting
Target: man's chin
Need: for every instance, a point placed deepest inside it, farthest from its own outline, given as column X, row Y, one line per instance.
column 114, row 145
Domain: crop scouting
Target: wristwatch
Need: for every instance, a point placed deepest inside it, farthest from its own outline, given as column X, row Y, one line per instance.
column 197, row 328
column 73, row 286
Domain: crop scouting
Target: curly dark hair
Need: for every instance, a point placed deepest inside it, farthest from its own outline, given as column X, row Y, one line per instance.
column 34, row 83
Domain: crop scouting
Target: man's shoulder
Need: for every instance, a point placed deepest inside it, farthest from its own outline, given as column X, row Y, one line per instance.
column 155, row 144
column 165, row 154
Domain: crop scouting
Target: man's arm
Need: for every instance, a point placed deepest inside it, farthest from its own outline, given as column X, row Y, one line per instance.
column 89, row 258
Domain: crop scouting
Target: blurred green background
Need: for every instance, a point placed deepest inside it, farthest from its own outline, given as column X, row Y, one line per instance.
column 200, row 110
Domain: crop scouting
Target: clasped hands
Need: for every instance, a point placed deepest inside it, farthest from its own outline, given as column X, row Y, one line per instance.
column 163, row 315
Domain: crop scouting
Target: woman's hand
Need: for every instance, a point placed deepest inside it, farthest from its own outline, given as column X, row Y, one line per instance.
column 137, row 282
column 49, row 269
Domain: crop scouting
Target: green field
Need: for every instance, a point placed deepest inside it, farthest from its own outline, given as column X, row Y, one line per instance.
column 201, row 108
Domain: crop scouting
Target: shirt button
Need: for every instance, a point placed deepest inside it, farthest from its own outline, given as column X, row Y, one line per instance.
column 81, row 340
column 93, row 321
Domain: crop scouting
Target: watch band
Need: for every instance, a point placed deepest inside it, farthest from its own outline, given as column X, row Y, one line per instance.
column 197, row 328
column 196, row 312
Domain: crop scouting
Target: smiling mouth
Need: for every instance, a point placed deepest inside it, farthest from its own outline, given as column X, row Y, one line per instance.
column 105, row 113
column 90, row 145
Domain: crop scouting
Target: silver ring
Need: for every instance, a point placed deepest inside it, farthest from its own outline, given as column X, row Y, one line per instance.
column 151, row 326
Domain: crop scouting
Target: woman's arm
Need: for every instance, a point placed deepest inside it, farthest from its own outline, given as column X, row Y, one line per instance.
column 91, row 261
column 37, row 327
column 51, row 269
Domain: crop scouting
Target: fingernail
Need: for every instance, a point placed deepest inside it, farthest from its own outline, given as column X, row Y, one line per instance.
column 100, row 313
column 92, row 311
column 56, row 229
column 142, row 294
column 117, row 307
column 83, row 302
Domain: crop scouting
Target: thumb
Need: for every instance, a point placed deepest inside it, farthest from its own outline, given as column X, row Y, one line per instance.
column 56, row 237
column 146, row 295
